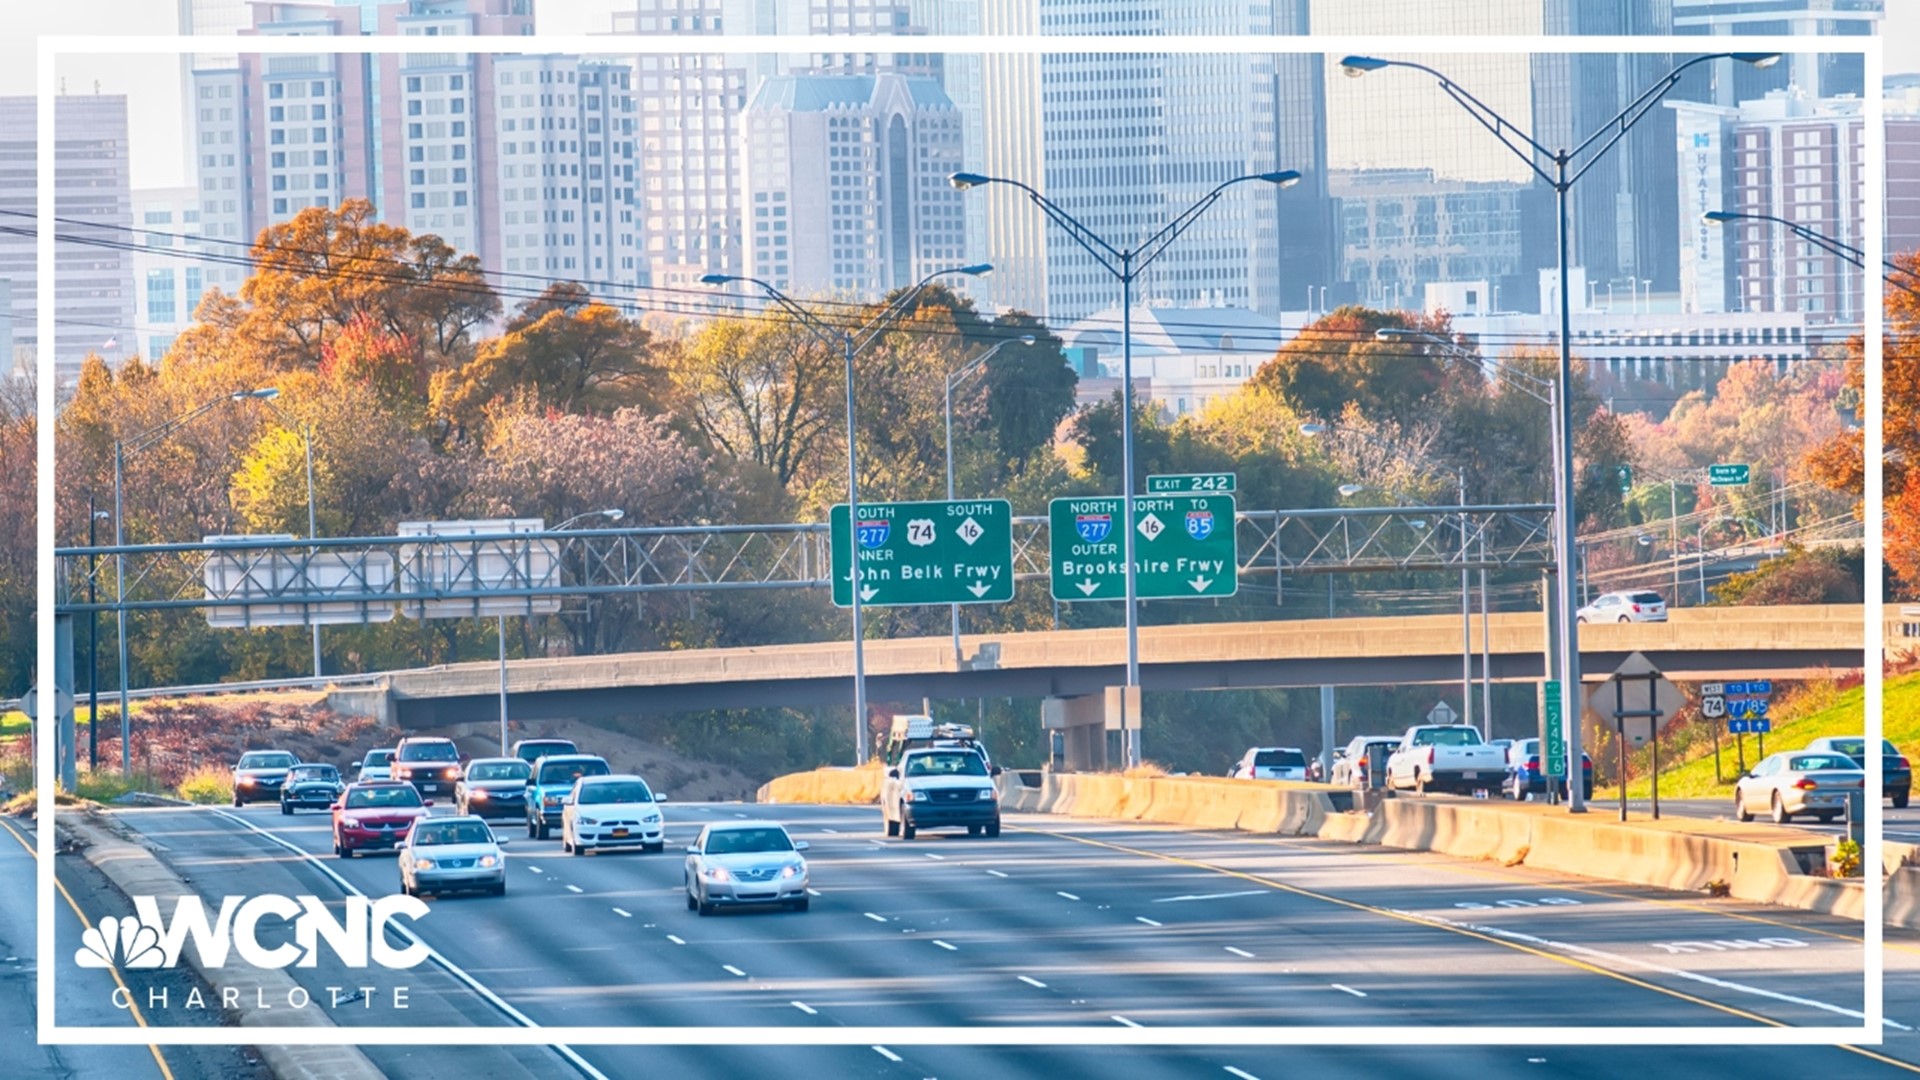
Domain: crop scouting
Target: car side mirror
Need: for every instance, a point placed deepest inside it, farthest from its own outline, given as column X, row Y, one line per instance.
column 893, row 774
column 428, row 803
column 334, row 806
column 799, row 845
column 693, row 849
column 501, row 841
column 659, row 796
column 993, row 770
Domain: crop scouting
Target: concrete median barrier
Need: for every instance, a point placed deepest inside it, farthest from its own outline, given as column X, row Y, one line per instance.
column 855, row 786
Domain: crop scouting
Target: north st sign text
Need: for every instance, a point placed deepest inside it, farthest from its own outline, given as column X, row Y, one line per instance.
column 1183, row 546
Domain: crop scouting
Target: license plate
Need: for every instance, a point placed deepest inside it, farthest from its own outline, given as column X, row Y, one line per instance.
column 1470, row 776
column 618, row 833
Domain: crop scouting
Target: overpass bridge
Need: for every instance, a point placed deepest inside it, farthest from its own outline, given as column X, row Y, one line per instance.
column 1697, row 644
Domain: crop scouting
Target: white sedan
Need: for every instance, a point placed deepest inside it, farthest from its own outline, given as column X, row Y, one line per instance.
column 452, row 854
column 745, row 862
column 617, row 810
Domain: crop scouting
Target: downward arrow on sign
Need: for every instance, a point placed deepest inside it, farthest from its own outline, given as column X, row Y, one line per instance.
column 978, row 589
column 1200, row 584
column 868, row 592
column 1087, row 587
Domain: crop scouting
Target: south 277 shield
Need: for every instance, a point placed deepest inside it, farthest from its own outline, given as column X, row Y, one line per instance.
column 872, row 534
column 1093, row 528
column 1199, row 524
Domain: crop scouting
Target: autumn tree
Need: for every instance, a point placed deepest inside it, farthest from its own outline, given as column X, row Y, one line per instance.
column 563, row 350
column 1338, row 360
column 762, row 390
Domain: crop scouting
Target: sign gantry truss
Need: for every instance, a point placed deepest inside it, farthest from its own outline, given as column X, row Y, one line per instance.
column 238, row 572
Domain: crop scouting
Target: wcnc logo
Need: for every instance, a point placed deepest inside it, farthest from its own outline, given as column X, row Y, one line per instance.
column 358, row 937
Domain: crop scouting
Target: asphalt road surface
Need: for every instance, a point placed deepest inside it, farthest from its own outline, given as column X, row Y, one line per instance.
column 1065, row 922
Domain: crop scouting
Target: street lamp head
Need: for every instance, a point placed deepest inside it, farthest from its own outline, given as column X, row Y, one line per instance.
column 1759, row 60
column 717, row 279
column 1312, row 428
column 965, row 180
column 1348, row 491
column 976, row 270
column 1028, row 339
column 1356, row 66
column 1285, row 178
column 1720, row 217
column 264, row 393
column 1643, row 540
column 614, row 514
column 1392, row 333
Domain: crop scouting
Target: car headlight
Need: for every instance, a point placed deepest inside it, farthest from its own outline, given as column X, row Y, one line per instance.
column 246, row 781
column 651, row 819
column 793, row 870
column 718, row 873
column 489, row 860
column 552, row 800
column 478, row 793
column 986, row 793
column 422, row 864
column 451, row 773
column 586, row 821
column 916, row 796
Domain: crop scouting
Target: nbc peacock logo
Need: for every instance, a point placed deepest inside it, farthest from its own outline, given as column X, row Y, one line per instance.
column 124, row 942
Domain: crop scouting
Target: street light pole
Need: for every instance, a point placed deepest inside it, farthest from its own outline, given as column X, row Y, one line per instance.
column 1466, row 609
column 1126, row 266
column 93, row 643
column 850, row 346
column 953, row 380
column 1562, row 178
column 120, row 447
column 1844, row 252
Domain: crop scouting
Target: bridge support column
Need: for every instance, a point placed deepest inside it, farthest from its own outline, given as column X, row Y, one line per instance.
column 1083, row 723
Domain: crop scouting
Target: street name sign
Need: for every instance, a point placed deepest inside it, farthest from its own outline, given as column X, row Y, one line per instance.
column 1192, row 484
column 958, row 552
column 1183, row 546
column 1728, row 475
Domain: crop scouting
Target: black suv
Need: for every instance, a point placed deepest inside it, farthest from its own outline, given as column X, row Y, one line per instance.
column 431, row 765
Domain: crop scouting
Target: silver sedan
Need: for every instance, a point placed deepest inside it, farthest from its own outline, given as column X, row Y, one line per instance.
column 745, row 862
column 452, row 854
column 1798, row 782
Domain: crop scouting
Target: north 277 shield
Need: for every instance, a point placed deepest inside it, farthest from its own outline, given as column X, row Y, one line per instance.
column 1093, row 528
column 1199, row 524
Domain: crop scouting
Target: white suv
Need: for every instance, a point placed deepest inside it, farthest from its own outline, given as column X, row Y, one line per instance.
column 1628, row 606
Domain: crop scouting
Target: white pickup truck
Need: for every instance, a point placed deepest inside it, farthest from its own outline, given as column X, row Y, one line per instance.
column 1445, row 757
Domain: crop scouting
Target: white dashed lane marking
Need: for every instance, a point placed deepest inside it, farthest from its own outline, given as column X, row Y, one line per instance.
column 1348, row 990
column 573, row 888
column 730, row 969
column 1123, row 1020
column 1239, row 952
column 623, row 913
column 676, row 939
column 886, row 1053
column 1144, row 919
column 944, row 945
column 1036, row 983
column 996, row 873
column 875, row 918
column 1068, row 895
column 805, row 1008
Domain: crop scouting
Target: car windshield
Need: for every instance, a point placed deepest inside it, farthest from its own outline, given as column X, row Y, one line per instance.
column 1811, row 762
column 946, row 765
column 266, row 761
column 379, row 757
column 618, row 791
column 532, row 750
column 430, row 751
column 1276, row 758
column 566, row 772
column 382, row 797
column 1447, row 736
column 500, row 770
column 451, row 832
column 314, row 772
column 737, row 841
column 1646, row 598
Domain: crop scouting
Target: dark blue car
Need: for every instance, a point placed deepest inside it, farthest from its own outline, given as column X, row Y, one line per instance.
column 1526, row 772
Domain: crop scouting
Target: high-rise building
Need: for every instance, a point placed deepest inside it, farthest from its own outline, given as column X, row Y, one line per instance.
column 92, row 288
column 1787, row 155
column 1130, row 141
column 1405, row 229
column 1006, row 229
column 846, row 178
column 864, row 17
column 168, row 276
column 1902, row 97
column 1818, row 74
column 525, row 160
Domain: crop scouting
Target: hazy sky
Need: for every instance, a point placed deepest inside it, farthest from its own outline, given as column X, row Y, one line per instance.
column 153, row 83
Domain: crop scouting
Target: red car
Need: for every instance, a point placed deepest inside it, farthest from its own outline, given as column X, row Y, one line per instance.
column 375, row 816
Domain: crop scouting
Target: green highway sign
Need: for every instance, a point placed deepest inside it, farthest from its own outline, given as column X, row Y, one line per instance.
column 958, row 552
column 1183, row 546
column 1191, row 484
column 1556, row 754
column 1727, row 475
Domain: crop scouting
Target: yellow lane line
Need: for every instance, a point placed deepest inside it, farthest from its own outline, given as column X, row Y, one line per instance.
column 132, row 1005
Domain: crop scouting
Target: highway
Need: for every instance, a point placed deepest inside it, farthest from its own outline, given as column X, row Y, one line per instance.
column 1063, row 921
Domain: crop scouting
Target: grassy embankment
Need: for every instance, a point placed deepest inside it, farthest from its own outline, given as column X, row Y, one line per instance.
column 1808, row 717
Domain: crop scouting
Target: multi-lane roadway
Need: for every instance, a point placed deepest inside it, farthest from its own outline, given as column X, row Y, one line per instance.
column 1064, row 922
